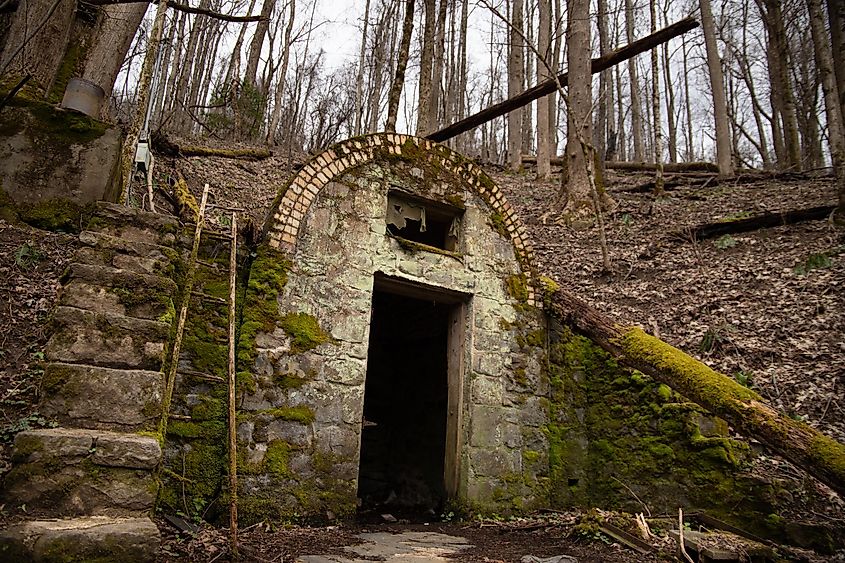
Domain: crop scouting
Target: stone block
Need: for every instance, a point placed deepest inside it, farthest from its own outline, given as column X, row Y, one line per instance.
column 495, row 462
column 60, row 472
column 101, row 398
column 110, row 290
column 106, row 339
column 484, row 426
column 105, row 250
column 487, row 391
column 92, row 538
column 135, row 226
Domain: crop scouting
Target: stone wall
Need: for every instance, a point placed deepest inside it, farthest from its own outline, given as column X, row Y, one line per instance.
column 302, row 424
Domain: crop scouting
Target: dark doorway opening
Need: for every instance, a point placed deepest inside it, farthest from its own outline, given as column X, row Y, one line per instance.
column 406, row 405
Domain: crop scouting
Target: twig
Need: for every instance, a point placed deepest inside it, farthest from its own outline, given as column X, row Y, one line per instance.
column 150, row 183
column 8, row 98
column 681, row 536
column 633, row 494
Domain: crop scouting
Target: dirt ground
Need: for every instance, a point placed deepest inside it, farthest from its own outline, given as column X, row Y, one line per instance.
column 31, row 261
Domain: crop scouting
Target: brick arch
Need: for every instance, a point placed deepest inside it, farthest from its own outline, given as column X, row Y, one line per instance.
column 285, row 223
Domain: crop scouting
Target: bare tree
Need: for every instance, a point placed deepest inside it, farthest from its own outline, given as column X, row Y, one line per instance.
column 544, row 168
column 426, row 62
column 634, row 85
column 401, row 65
column 717, row 85
column 516, row 67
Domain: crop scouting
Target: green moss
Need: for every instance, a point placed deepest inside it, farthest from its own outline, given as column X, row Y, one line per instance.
column 304, row 331
column 497, row 222
column 301, row 414
column 717, row 391
column 517, row 287
column 828, row 454
column 260, row 311
column 66, row 71
column 52, row 215
column 189, row 209
column 277, row 457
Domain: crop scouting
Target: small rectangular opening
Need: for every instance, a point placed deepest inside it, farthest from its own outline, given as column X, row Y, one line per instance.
column 423, row 221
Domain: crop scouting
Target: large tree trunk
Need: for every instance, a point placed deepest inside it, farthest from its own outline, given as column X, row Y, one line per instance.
column 577, row 190
column 600, row 135
column 782, row 95
column 717, row 86
column 836, row 16
column 516, row 66
column 819, row 455
column 37, row 39
column 113, row 34
column 250, row 76
column 544, row 63
column 434, row 107
column 426, row 62
column 401, row 65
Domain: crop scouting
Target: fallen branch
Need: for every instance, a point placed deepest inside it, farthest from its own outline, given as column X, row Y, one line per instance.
column 820, row 456
column 762, row 221
column 165, row 146
column 181, row 8
column 548, row 86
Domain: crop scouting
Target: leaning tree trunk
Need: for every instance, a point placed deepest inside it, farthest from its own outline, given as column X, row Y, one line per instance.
column 806, row 447
column 281, row 81
column 250, row 76
column 401, row 64
column 116, row 27
column 37, row 39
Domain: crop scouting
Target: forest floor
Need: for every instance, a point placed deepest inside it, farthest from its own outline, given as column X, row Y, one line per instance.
column 766, row 307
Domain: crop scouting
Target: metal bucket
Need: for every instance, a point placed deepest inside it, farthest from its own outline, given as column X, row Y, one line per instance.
column 83, row 96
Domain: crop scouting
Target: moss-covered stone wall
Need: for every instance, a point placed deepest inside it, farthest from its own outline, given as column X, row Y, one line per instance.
column 619, row 440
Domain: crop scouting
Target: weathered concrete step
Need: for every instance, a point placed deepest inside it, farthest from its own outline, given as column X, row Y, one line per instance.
column 103, row 289
column 70, row 472
column 91, row 538
column 84, row 396
column 106, row 339
column 106, row 250
column 134, row 225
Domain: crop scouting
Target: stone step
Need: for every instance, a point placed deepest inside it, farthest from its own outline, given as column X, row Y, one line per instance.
column 106, row 339
column 91, row 538
column 61, row 472
column 84, row 396
column 106, row 250
column 103, row 289
column 134, row 225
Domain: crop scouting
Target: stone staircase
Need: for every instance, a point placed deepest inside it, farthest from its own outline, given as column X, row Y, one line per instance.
column 85, row 490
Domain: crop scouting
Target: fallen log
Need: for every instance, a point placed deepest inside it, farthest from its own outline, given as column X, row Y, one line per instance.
column 669, row 167
column 762, row 221
column 820, row 456
column 548, row 86
column 248, row 154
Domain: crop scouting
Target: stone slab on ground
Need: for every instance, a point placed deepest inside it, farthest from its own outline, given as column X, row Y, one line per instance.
column 106, row 339
column 404, row 547
column 106, row 250
column 92, row 538
column 84, row 396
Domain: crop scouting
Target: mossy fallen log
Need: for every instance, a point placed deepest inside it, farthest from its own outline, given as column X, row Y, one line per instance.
column 249, row 154
column 802, row 445
column 669, row 167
